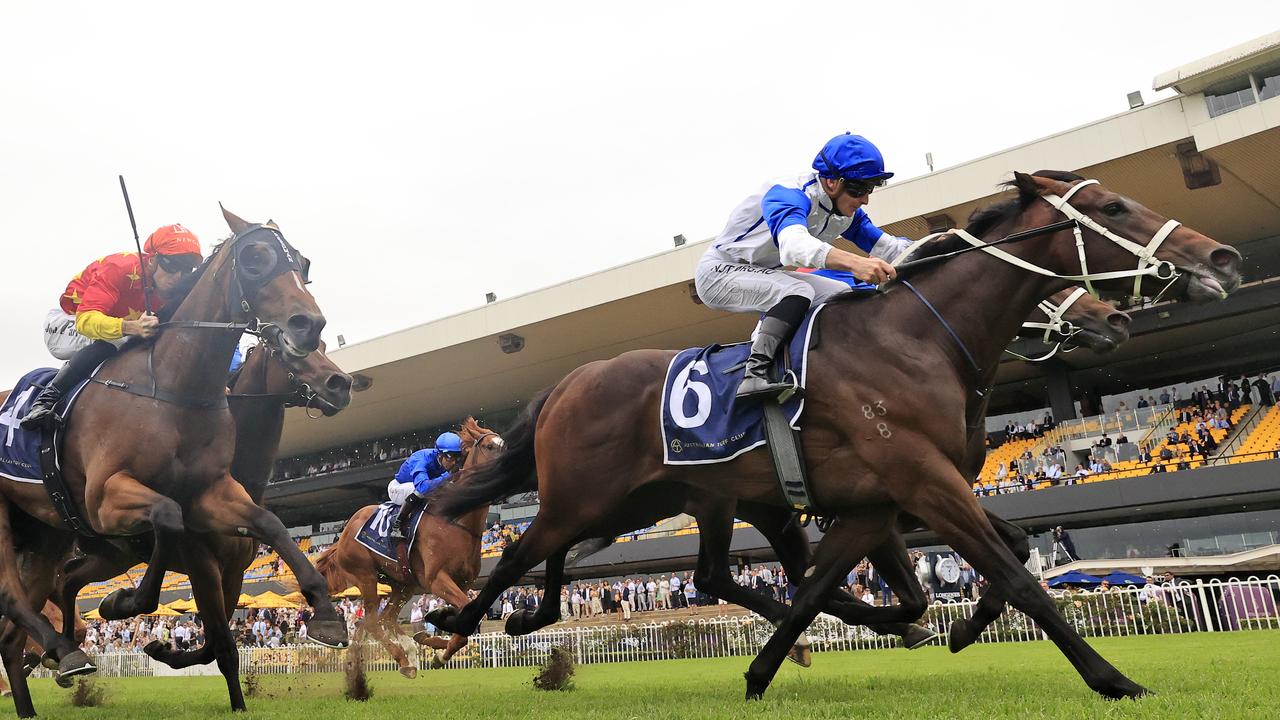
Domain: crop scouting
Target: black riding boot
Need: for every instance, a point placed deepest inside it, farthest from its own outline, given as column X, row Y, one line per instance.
column 756, row 383
column 775, row 330
column 411, row 503
column 41, row 414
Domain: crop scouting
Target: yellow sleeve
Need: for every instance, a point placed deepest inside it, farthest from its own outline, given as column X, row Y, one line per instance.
column 94, row 325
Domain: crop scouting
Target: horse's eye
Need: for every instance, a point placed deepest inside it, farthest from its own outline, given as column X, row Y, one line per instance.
column 1113, row 209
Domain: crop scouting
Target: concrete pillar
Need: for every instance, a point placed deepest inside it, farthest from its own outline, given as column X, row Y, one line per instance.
column 1058, row 382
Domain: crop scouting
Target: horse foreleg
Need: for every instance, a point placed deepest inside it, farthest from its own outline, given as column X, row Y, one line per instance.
column 849, row 539
column 13, row 642
column 127, row 506
column 226, row 509
column 205, row 571
column 373, row 624
column 964, row 633
column 947, row 505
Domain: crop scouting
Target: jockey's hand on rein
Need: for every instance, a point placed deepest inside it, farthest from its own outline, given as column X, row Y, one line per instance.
column 145, row 326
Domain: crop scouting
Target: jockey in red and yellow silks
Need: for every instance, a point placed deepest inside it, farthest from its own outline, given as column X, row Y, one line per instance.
column 104, row 303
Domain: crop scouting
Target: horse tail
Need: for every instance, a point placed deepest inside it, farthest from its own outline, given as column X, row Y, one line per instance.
column 511, row 473
column 327, row 565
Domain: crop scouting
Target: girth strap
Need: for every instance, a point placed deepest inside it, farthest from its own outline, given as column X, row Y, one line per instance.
column 156, row 393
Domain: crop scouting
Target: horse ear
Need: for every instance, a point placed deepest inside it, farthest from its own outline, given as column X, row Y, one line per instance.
column 1027, row 185
column 236, row 224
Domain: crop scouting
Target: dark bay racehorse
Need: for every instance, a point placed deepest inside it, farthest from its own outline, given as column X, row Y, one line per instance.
column 266, row 384
column 444, row 560
column 150, row 445
column 892, row 388
column 1085, row 321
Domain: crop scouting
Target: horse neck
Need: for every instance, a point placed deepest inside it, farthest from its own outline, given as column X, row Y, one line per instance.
column 259, row 423
column 194, row 361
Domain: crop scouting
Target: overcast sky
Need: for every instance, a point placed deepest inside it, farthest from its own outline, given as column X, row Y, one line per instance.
column 427, row 153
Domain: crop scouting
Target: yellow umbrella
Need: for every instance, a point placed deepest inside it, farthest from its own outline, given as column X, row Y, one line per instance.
column 164, row 611
column 244, row 600
column 92, row 615
column 354, row 591
column 296, row 597
column 270, row 599
column 186, row 605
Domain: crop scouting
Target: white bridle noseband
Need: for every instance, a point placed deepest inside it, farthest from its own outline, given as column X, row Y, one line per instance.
column 1056, row 323
column 1146, row 254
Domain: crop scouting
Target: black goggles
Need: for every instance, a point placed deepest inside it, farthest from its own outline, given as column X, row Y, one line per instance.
column 183, row 264
column 861, row 188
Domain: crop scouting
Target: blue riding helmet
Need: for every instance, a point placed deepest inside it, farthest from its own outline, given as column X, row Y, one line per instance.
column 850, row 157
column 449, row 442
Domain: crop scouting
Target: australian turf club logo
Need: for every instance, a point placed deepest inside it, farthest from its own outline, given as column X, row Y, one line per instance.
column 677, row 446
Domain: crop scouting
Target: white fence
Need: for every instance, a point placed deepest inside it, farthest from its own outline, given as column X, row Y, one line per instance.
column 1212, row 606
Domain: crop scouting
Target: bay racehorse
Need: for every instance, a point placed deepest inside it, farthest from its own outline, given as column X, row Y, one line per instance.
column 1066, row 317
column 444, row 560
column 150, row 444
column 892, row 389
column 266, row 384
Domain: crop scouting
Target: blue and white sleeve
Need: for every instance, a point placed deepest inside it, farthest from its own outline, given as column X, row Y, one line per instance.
column 786, row 210
column 872, row 240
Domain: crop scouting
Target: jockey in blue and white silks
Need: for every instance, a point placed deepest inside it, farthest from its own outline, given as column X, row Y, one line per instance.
column 421, row 473
column 792, row 222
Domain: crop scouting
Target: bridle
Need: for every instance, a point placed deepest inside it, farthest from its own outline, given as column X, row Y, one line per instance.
column 1076, row 220
column 1057, row 323
column 300, row 393
column 475, row 444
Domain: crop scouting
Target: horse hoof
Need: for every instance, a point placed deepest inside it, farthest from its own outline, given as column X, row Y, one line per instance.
column 117, row 606
column 329, row 633
column 516, row 623
column 6, row 693
column 755, row 688
column 62, row 682
column 960, row 636
column 442, row 618
column 155, row 649
column 75, row 663
column 918, row 636
column 436, row 662
column 1123, row 688
column 409, row 671
column 801, row 653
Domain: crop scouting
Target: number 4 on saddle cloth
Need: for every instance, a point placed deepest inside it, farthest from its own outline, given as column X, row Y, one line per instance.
column 375, row 534
column 31, row 456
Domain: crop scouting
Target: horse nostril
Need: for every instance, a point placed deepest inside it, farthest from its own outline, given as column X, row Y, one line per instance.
column 300, row 324
column 1119, row 320
column 1225, row 259
column 338, row 382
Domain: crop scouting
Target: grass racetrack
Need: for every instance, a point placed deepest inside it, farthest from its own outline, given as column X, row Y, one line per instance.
column 1201, row 675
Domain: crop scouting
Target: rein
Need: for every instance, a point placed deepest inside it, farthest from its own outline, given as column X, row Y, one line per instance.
column 300, row 394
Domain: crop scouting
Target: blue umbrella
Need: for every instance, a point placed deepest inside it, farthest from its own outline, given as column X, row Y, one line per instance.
column 1074, row 577
column 1124, row 578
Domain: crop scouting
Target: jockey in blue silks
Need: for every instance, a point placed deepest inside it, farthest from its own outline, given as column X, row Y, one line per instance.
column 792, row 222
column 421, row 473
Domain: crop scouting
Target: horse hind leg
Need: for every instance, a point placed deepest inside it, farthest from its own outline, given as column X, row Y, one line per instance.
column 373, row 625
column 849, row 539
column 523, row 622
column 205, row 572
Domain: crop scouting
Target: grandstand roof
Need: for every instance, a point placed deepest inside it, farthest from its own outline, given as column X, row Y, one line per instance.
column 437, row 372
column 1197, row 75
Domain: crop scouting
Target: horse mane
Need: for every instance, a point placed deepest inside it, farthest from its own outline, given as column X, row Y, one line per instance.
column 471, row 432
column 982, row 220
column 187, row 284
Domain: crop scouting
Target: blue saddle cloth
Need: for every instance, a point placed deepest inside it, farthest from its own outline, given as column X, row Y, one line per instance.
column 375, row 534
column 701, row 420
column 20, row 451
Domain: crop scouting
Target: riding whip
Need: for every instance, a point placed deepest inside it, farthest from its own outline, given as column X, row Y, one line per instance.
column 146, row 288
